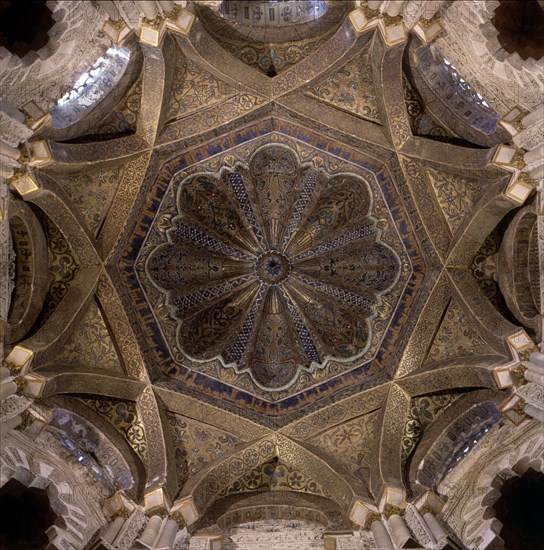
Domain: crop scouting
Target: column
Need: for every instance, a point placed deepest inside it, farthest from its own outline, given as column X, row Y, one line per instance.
column 537, row 173
column 10, row 424
column 431, row 7
column 535, row 155
column 394, row 7
column 148, row 8
column 534, row 412
column 537, row 359
column 149, row 536
column 111, row 9
column 534, row 376
column 535, row 368
column 168, row 535
column 381, row 536
column 7, row 388
column 399, row 531
column 166, row 5
column 533, row 117
column 436, row 529
column 7, row 150
column 113, row 530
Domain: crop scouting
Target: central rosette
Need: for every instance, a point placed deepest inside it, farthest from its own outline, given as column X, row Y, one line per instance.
column 273, row 268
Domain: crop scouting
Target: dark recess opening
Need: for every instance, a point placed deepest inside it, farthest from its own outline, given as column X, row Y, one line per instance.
column 26, row 515
column 520, row 508
column 24, row 25
column 520, row 26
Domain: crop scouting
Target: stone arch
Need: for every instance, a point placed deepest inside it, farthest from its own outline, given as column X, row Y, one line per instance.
column 93, row 114
column 345, row 490
column 473, row 489
column 470, row 39
column 518, row 281
column 63, row 56
column 465, row 115
column 30, row 246
column 109, row 447
column 467, row 416
column 75, row 521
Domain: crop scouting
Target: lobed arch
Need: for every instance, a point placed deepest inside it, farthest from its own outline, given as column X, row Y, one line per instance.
column 505, row 451
column 473, row 411
column 111, row 450
column 41, row 466
column 345, row 490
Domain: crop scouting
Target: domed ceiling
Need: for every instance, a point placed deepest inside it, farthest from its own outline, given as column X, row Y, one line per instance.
column 275, row 269
column 244, row 268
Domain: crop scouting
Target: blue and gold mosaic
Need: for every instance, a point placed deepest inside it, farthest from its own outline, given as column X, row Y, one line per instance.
column 272, row 269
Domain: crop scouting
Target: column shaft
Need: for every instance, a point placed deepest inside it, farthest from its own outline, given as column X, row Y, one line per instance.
column 381, row 536
column 394, row 7
column 534, row 412
column 7, row 389
column 436, row 529
column 168, row 535
column 148, row 8
column 149, row 536
column 113, row 530
column 533, row 117
column 535, row 376
column 166, row 5
column 399, row 531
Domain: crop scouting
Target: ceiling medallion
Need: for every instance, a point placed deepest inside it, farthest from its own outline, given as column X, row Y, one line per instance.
column 274, row 267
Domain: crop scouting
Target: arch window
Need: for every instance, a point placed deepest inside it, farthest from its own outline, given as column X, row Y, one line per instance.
column 91, row 87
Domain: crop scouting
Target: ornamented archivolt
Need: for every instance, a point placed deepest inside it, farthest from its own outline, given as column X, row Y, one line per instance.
column 273, row 475
column 274, row 268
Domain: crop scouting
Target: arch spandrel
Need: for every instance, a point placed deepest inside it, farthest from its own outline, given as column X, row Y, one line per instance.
column 274, row 265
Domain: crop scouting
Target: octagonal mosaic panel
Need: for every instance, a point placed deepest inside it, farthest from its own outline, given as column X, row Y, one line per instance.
column 273, row 273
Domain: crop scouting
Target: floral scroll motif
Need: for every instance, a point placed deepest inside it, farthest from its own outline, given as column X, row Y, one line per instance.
column 275, row 267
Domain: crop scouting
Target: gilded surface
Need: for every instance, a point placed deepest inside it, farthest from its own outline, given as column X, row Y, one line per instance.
column 456, row 195
column 423, row 411
column 197, row 444
column 124, row 418
column 92, row 194
column 272, row 58
column 351, row 444
column 350, row 89
column 90, row 344
column 422, row 121
column 456, row 338
column 274, row 268
column 278, row 304
column 274, row 475
column 193, row 88
column 62, row 268
column 121, row 329
column 434, row 221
